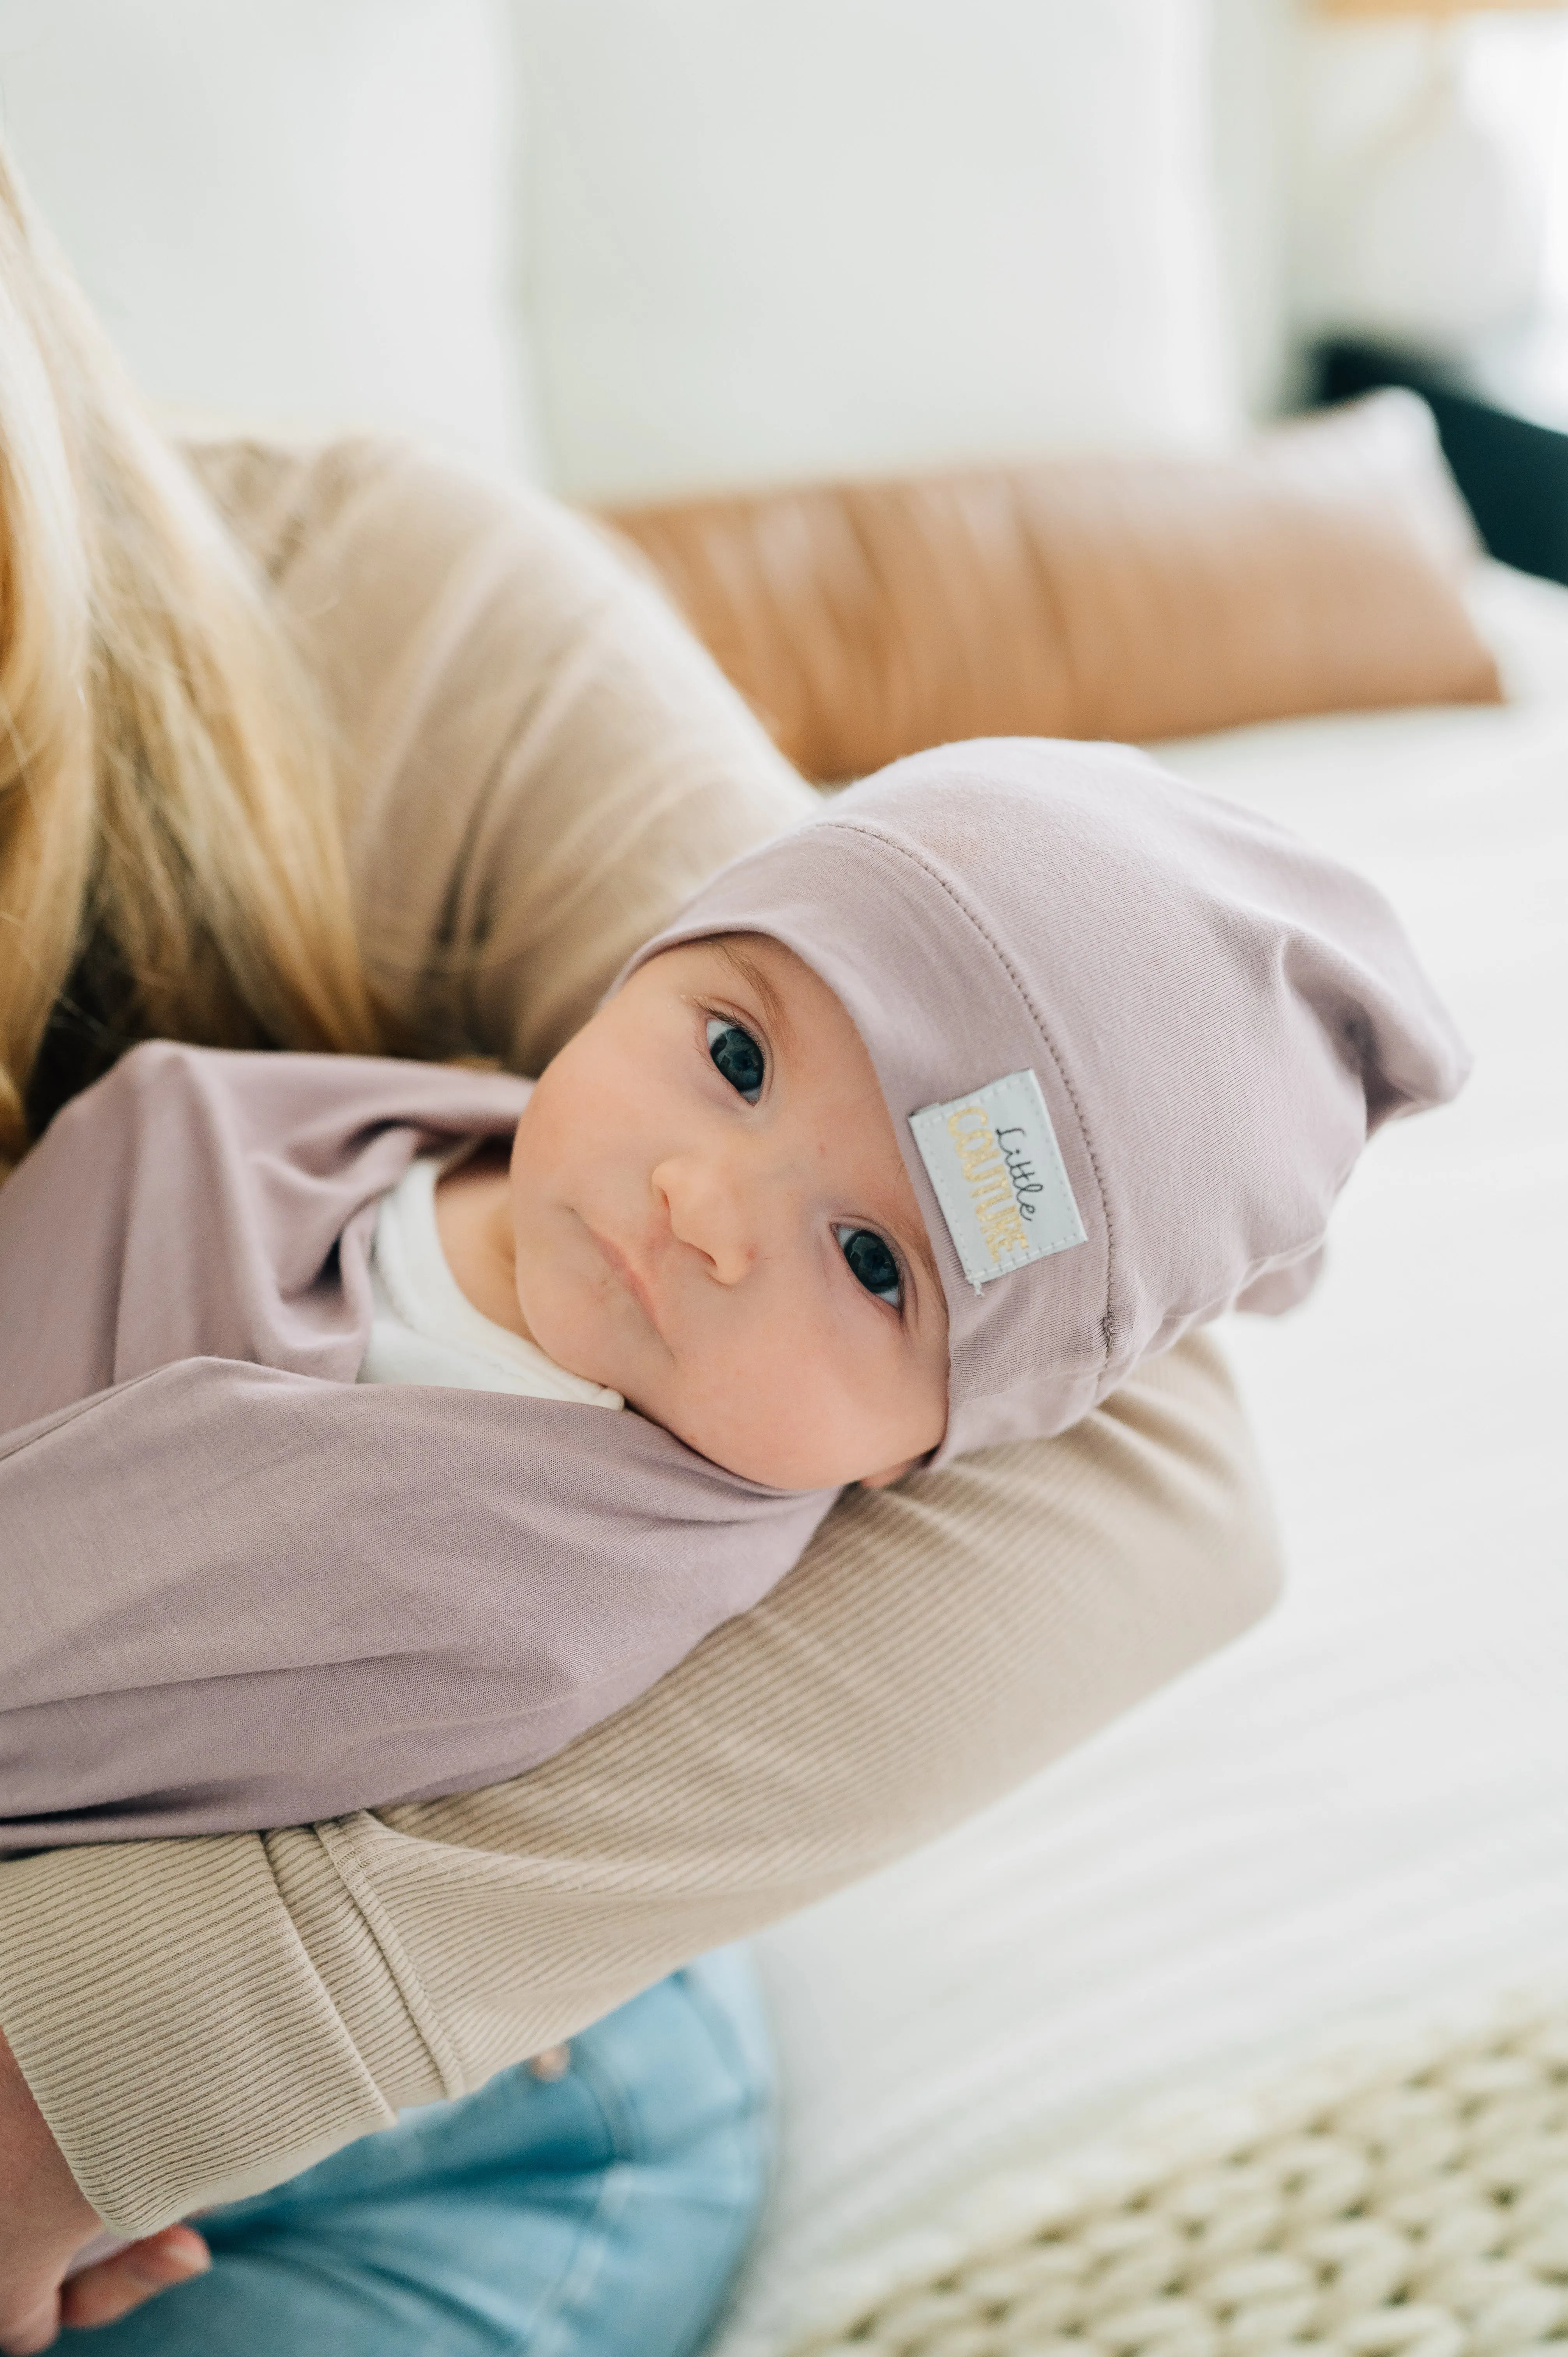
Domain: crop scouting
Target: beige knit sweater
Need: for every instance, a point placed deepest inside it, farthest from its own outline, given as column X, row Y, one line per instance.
column 539, row 766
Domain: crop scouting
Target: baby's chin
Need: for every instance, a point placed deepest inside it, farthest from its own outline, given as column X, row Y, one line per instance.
column 567, row 1335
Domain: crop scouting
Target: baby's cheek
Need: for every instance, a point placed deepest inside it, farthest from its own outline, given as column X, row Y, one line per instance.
column 783, row 1416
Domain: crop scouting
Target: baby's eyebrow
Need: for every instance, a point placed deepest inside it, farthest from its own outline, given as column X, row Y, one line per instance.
column 760, row 981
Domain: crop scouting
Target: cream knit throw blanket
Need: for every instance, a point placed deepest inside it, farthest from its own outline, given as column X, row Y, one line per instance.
column 1409, row 2199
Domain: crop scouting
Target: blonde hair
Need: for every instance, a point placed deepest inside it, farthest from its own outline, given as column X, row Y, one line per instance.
column 167, row 812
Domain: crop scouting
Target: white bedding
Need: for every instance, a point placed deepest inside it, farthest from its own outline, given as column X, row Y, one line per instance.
column 1365, row 1804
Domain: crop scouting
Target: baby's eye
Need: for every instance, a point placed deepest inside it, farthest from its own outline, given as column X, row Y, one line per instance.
column 871, row 1262
column 738, row 1056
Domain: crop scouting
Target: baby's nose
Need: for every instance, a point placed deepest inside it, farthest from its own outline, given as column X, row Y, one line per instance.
column 713, row 1210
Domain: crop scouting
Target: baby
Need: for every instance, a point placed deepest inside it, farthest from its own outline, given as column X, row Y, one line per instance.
column 922, row 1126
column 706, row 1215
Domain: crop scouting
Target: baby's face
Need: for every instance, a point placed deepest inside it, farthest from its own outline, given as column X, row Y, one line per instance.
column 712, row 1217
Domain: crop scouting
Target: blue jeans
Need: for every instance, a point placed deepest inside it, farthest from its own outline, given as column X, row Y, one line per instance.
column 601, row 2214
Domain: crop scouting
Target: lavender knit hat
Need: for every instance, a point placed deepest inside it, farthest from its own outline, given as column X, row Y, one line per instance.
column 1133, row 1038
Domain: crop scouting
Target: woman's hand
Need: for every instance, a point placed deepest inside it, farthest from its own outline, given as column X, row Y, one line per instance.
column 44, row 2219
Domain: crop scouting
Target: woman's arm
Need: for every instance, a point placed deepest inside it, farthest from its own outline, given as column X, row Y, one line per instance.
column 538, row 765
column 200, row 2017
column 539, row 762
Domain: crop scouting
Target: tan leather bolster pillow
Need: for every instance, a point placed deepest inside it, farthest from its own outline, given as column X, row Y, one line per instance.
column 1135, row 599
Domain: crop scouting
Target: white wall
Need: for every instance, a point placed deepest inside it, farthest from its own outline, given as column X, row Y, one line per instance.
column 776, row 239
column 295, row 208
column 1251, row 58
column 735, row 238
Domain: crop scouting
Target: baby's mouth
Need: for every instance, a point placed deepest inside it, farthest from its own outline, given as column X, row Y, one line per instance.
column 630, row 1277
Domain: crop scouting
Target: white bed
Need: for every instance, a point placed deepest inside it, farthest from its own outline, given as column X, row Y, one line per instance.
column 1364, row 1806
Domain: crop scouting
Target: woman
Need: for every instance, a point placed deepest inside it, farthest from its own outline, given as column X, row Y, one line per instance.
column 341, row 749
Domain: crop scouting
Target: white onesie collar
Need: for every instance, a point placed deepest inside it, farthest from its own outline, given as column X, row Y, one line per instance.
column 423, row 1293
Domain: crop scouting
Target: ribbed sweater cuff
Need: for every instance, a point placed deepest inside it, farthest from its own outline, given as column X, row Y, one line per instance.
column 173, row 2027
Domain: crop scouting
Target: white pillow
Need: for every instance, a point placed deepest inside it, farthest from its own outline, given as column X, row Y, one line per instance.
column 294, row 209
column 777, row 238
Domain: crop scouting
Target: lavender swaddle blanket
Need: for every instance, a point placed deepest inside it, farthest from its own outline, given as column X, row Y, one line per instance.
column 1133, row 1041
column 237, row 1588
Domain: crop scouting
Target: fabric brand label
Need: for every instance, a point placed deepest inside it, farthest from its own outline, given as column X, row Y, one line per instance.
column 993, row 1160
